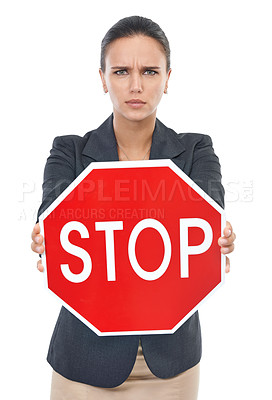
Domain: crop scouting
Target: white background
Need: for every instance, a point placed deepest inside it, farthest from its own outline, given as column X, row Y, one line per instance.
column 220, row 85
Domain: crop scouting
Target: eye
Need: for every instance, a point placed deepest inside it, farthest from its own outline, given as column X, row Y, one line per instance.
column 121, row 72
column 150, row 72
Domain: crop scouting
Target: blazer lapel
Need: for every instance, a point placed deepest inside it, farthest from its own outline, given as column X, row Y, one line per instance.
column 102, row 146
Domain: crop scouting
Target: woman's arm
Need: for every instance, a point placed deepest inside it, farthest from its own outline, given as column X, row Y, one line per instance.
column 206, row 169
column 59, row 172
column 206, row 172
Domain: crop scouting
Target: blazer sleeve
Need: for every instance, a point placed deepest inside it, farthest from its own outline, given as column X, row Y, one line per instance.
column 206, row 170
column 59, row 172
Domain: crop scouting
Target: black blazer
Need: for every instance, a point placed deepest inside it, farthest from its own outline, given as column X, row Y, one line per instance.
column 75, row 351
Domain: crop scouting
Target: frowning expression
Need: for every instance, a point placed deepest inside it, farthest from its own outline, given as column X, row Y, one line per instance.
column 135, row 76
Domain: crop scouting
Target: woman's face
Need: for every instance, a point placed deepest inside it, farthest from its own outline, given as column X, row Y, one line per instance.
column 135, row 70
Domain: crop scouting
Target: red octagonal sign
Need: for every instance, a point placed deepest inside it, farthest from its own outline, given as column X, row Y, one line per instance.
column 131, row 247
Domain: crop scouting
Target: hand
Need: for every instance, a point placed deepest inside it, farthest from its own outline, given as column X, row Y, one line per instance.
column 226, row 243
column 37, row 244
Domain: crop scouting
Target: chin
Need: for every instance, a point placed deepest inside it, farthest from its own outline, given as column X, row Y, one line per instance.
column 137, row 115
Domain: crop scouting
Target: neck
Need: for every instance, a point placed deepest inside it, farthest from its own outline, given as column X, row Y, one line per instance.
column 134, row 136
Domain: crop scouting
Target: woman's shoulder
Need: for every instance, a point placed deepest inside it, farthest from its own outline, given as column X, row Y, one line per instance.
column 193, row 137
column 195, row 141
column 71, row 142
column 78, row 139
column 190, row 139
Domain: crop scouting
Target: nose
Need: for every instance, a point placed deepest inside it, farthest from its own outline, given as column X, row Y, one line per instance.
column 136, row 83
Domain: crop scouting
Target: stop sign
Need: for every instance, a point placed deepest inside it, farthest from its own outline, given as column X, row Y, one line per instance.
column 131, row 247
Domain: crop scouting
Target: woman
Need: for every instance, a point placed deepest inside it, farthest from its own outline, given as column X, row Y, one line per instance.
column 135, row 70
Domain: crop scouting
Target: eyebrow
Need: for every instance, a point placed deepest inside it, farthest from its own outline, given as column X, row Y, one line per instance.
column 126, row 67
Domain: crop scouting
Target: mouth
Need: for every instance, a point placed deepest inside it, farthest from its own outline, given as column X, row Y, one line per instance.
column 135, row 103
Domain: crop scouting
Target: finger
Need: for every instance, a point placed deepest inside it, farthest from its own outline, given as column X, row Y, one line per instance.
column 36, row 230
column 37, row 248
column 228, row 229
column 40, row 267
column 226, row 241
column 38, row 239
column 227, row 249
column 227, row 269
